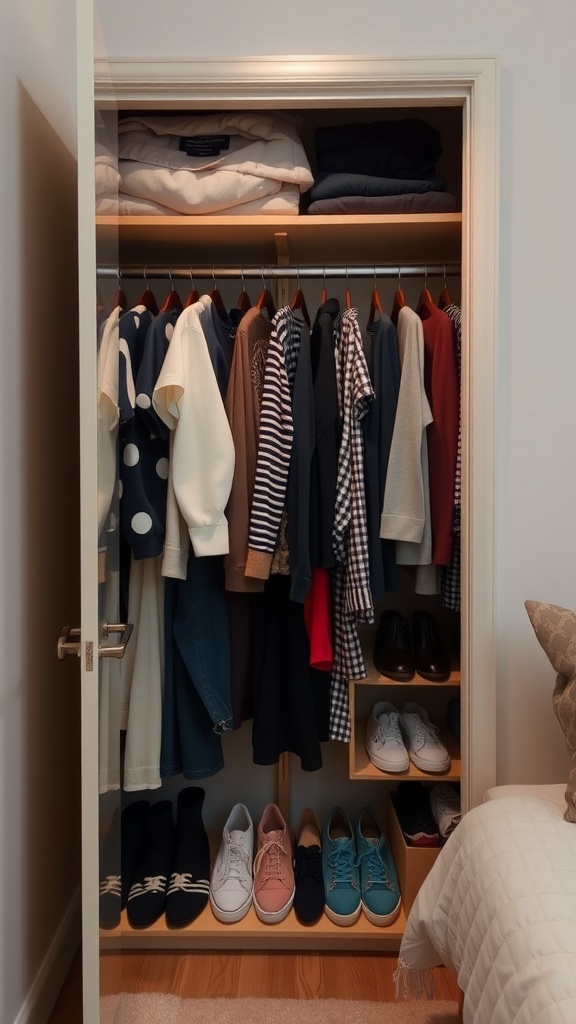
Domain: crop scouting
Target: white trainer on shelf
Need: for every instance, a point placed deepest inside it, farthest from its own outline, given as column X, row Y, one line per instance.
column 384, row 743
column 231, row 883
column 425, row 748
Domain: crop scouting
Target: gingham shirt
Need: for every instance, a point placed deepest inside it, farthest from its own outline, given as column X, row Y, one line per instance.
column 351, row 579
column 450, row 574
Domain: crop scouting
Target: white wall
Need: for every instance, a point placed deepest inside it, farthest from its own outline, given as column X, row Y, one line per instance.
column 536, row 425
column 39, row 757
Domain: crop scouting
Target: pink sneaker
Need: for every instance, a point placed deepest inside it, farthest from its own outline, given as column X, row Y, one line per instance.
column 273, row 871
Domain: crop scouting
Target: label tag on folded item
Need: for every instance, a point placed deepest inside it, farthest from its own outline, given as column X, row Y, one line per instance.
column 204, row 145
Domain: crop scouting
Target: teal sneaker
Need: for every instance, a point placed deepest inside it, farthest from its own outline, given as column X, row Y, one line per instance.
column 380, row 891
column 341, row 877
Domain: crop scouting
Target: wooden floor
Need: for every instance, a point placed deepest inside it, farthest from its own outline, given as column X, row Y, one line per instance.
column 276, row 975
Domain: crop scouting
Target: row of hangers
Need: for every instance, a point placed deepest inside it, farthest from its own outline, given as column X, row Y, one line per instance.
column 265, row 300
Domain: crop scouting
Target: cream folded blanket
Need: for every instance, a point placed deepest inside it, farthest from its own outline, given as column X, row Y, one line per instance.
column 210, row 163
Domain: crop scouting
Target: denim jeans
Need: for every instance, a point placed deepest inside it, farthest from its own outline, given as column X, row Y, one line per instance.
column 197, row 704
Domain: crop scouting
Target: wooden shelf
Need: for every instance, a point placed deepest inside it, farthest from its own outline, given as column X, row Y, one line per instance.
column 393, row 238
column 206, row 932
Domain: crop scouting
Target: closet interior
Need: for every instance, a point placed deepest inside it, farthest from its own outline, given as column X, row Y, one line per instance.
column 360, row 260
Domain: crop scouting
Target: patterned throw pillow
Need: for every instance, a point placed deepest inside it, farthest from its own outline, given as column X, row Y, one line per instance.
column 555, row 629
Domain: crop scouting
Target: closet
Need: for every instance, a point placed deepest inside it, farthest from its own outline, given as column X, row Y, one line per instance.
column 384, row 249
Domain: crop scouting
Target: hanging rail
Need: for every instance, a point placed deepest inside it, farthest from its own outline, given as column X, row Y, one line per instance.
column 272, row 271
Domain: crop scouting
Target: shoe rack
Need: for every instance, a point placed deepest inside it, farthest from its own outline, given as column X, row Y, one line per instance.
column 364, row 693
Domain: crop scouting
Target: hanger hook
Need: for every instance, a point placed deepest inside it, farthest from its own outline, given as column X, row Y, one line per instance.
column 214, row 275
column 425, row 276
column 444, row 269
column 374, row 278
column 324, row 276
column 399, row 278
column 242, row 276
column 170, row 276
column 298, row 277
column 191, row 278
column 145, row 278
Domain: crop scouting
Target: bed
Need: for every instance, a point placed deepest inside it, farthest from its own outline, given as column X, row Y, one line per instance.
column 499, row 909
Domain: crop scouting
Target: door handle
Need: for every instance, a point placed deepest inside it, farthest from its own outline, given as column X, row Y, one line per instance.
column 69, row 641
column 115, row 650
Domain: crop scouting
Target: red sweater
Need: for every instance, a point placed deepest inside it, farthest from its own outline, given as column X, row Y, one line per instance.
column 442, row 388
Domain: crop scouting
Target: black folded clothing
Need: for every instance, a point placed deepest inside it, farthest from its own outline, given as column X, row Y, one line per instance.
column 408, row 148
column 334, row 186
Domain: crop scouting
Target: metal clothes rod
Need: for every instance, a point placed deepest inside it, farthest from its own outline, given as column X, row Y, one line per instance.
column 273, row 271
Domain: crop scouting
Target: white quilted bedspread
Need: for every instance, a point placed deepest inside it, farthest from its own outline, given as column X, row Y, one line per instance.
column 499, row 907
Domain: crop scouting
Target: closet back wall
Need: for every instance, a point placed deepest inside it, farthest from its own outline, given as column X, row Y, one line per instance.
column 535, row 486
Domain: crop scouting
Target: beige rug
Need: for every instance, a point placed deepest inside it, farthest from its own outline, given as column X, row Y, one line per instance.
column 162, row 1009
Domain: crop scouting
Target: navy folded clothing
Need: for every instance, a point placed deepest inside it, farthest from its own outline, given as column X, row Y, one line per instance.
column 408, row 148
column 428, row 202
column 333, row 186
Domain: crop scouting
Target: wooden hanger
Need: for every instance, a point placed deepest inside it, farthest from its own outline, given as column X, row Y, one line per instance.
column 426, row 304
column 193, row 294
column 375, row 303
column 243, row 302
column 147, row 298
column 399, row 301
column 324, row 296
column 120, row 300
column 217, row 299
column 299, row 302
column 172, row 300
column 265, row 300
column 445, row 298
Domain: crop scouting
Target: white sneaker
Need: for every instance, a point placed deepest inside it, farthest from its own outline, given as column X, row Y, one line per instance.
column 231, row 882
column 384, row 743
column 424, row 746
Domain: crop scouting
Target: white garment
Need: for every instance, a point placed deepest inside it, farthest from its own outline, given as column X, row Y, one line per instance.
column 257, row 154
column 188, row 400
column 109, row 701
column 406, row 509
column 142, row 677
column 286, row 201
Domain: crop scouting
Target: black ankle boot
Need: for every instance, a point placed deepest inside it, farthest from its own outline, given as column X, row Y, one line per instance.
column 189, row 886
column 147, row 896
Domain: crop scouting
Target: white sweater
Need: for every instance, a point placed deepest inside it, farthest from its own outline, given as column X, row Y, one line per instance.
column 406, row 509
column 187, row 399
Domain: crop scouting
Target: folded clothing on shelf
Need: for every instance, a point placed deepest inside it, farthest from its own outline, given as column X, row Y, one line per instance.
column 427, row 202
column 404, row 148
column 411, row 802
column 211, row 163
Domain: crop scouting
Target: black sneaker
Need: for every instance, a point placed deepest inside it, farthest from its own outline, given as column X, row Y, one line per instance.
column 189, row 883
column 309, row 893
column 412, row 805
column 147, row 896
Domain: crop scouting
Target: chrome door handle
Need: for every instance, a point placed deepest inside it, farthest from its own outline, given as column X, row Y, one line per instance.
column 115, row 650
column 68, row 642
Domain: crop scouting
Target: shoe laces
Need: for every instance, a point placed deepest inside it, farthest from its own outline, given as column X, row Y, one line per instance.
column 342, row 862
column 389, row 728
column 184, row 883
column 372, row 867
column 425, row 732
column 113, row 884
column 235, row 860
column 270, row 851
column 309, row 863
column 152, row 883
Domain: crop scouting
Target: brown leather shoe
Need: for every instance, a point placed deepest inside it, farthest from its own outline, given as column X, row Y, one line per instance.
column 392, row 648
column 431, row 660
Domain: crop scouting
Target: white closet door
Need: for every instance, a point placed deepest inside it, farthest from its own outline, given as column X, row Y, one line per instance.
column 99, row 542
